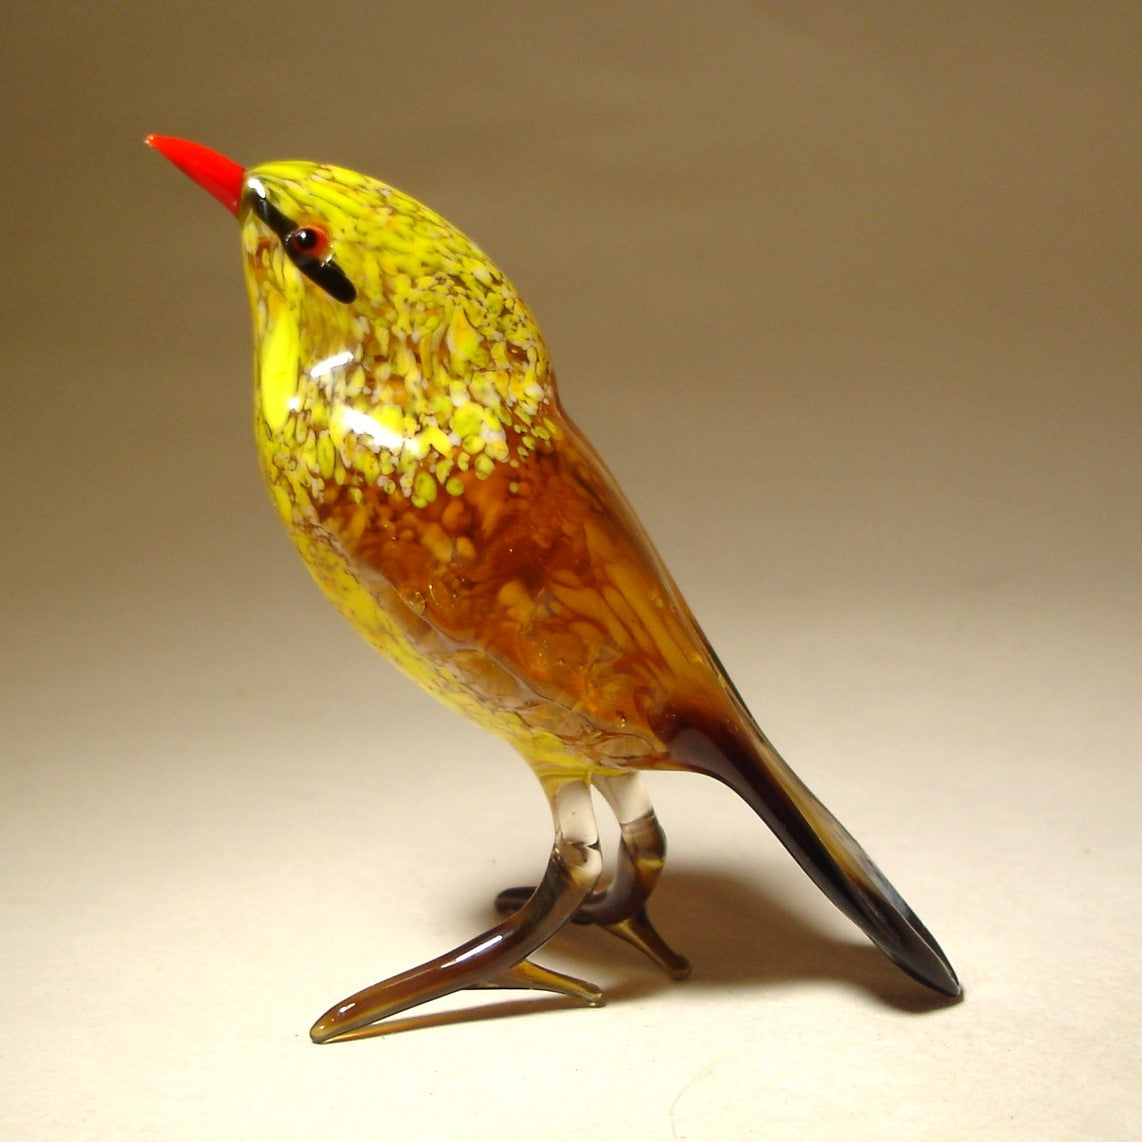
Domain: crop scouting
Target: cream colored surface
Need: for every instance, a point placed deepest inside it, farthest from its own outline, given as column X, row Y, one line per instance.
column 849, row 298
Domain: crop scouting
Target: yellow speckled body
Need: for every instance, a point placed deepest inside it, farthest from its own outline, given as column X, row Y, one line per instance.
column 416, row 449
column 410, row 433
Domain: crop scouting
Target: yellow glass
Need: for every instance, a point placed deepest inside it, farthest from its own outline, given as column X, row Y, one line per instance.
column 409, row 430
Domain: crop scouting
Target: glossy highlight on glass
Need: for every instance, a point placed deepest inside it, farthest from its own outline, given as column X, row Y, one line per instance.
column 410, row 434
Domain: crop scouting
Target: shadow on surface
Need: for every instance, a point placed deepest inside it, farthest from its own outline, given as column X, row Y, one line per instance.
column 736, row 934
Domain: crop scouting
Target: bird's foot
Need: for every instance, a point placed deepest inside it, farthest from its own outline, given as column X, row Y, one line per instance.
column 530, row 976
column 370, row 1011
column 496, row 959
column 636, row 929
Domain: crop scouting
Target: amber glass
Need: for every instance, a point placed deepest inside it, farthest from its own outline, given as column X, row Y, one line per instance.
column 410, row 433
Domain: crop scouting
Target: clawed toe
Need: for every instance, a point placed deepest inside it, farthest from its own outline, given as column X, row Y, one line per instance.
column 635, row 929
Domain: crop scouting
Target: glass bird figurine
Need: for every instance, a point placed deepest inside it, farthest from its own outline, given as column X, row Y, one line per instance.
column 410, row 433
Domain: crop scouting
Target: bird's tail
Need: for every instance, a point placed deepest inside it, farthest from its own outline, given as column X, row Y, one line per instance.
column 824, row 848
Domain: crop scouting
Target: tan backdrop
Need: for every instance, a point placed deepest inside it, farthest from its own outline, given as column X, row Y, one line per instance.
column 848, row 295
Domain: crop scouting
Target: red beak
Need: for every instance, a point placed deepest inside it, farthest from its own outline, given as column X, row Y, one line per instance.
column 213, row 172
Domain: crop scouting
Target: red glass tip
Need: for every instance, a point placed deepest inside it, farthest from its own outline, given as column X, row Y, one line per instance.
column 221, row 176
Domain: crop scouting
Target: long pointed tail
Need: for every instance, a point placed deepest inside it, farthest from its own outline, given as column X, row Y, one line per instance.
column 821, row 844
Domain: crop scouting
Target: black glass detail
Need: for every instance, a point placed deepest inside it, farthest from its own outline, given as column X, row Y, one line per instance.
column 323, row 272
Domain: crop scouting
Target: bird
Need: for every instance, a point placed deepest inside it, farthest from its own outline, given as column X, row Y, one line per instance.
column 412, row 438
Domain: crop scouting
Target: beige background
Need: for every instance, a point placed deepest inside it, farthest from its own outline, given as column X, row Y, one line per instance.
column 848, row 295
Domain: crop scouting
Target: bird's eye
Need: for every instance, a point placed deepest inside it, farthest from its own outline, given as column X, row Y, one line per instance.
column 308, row 242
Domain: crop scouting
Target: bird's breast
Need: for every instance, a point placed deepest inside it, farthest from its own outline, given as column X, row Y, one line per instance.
column 522, row 593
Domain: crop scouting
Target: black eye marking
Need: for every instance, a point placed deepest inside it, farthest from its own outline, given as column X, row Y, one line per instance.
column 306, row 246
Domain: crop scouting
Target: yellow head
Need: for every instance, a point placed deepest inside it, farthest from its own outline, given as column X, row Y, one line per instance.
column 390, row 351
column 382, row 329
